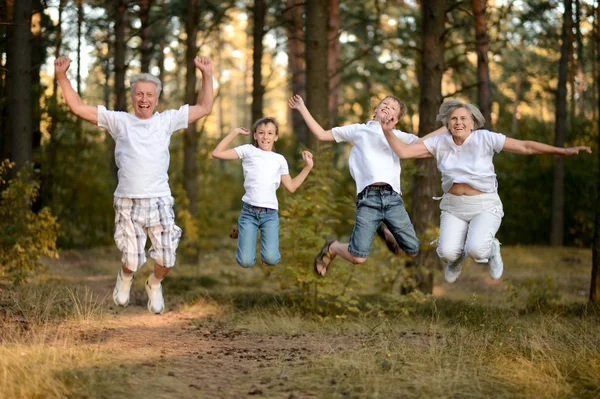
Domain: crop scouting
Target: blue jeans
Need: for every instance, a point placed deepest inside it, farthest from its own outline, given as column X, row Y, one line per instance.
column 374, row 205
column 251, row 220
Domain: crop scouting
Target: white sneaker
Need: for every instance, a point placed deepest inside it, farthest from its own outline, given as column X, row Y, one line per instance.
column 122, row 289
column 453, row 269
column 495, row 264
column 156, row 302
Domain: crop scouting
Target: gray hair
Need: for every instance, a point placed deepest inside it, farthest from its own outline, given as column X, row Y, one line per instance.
column 449, row 106
column 145, row 77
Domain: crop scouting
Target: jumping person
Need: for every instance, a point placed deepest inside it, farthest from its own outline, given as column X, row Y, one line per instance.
column 376, row 171
column 264, row 170
column 471, row 208
column 143, row 202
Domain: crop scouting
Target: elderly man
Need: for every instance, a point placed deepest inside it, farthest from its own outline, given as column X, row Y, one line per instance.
column 143, row 202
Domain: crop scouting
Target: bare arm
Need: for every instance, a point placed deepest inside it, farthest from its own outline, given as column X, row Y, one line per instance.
column 529, row 147
column 292, row 184
column 75, row 103
column 206, row 96
column 439, row 130
column 222, row 151
column 296, row 102
column 404, row 151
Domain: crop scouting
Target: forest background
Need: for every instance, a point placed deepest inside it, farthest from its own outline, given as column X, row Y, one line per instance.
column 531, row 66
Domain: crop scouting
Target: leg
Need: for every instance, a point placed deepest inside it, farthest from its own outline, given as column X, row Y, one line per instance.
column 269, row 237
column 130, row 238
column 451, row 241
column 248, row 231
column 482, row 244
column 165, row 236
column 398, row 222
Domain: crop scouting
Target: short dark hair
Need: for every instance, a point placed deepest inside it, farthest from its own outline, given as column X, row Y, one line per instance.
column 265, row 121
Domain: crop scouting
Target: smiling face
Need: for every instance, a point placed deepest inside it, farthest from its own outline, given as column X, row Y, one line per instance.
column 144, row 99
column 386, row 109
column 266, row 136
column 460, row 123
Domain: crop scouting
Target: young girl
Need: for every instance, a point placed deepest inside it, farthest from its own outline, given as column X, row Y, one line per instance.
column 263, row 171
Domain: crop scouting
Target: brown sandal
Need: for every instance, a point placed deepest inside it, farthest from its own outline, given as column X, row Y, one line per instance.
column 390, row 242
column 321, row 256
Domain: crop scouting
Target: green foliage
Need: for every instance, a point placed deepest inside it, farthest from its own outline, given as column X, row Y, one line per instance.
column 536, row 293
column 25, row 236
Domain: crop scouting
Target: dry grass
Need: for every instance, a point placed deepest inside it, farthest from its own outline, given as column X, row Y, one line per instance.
column 230, row 333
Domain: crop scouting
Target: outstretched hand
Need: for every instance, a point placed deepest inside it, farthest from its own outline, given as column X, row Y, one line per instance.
column 308, row 158
column 569, row 151
column 296, row 102
column 204, row 64
column 61, row 66
column 241, row 130
column 388, row 122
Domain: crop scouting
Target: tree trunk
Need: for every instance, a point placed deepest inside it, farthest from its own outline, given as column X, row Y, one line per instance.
column 580, row 62
column 595, row 283
column 426, row 182
column 516, row 103
column 162, row 44
column 296, row 64
column 190, row 168
column 79, row 126
column 483, row 73
column 5, row 16
column 146, row 46
column 558, row 194
column 38, row 54
column 120, row 44
column 334, row 56
column 317, row 82
column 258, row 32
column 595, row 67
column 20, row 78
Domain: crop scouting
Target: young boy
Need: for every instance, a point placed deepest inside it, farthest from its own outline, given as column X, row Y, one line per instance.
column 143, row 202
column 376, row 171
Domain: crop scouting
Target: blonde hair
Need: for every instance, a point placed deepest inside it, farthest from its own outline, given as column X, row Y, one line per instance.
column 449, row 106
column 401, row 105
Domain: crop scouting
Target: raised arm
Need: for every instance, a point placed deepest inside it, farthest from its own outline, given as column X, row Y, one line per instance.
column 529, row 147
column 75, row 103
column 296, row 102
column 404, row 151
column 206, row 96
column 222, row 151
column 292, row 184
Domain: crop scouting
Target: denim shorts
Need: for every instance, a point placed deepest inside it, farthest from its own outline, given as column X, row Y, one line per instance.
column 252, row 220
column 377, row 204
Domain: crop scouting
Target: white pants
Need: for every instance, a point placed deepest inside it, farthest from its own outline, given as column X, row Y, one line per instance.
column 468, row 223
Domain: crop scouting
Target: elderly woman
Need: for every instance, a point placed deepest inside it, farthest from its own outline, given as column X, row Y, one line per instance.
column 471, row 208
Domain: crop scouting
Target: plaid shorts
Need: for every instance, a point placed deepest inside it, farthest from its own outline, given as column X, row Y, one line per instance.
column 135, row 218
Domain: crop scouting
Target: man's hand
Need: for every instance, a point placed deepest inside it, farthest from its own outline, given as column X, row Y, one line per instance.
column 296, row 102
column 388, row 122
column 61, row 66
column 308, row 158
column 204, row 64
column 241, row 130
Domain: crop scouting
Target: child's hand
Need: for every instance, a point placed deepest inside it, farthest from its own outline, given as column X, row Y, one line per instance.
column 388, row 122
column 308, row 158
column 296, row 102
column 204, row 64
column 61, row 66
column 241, row 130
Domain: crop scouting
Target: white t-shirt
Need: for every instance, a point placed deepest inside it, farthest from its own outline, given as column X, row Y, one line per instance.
column 470, row 163
column 262, row 175
column 371, row 158
column 142, row 149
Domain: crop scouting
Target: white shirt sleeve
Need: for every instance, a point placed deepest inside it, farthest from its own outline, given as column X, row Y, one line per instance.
column 109, row 120
column 406, row 138
column 345, row 133
column 177, row 119
column 243, row 150
column 495, row 140
column 283, row 166
column 432, row 144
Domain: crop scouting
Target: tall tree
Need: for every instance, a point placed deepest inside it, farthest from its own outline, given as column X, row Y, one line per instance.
column 20, row 78
column 483, row 73
column 580, row 62
column 258, row 11
column 120, row 48
column 317, row 82
column 425, row 212
column 333, row 59
column 558, row 188
column 595, row 283
column 296, row 60
column 190, row 167
column 79, row 123
column 146, row 45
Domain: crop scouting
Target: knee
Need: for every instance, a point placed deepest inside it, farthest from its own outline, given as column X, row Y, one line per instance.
column 448, row 254
column 271, row 259
column 245, row 261
column 478, row 251
column 132, row 262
